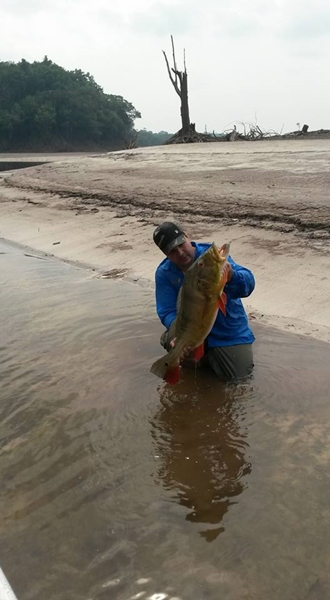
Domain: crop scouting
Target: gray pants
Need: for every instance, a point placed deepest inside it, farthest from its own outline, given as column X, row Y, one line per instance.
column 228, row 362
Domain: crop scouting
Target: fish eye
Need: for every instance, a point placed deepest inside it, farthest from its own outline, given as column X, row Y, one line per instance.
column 201, row 264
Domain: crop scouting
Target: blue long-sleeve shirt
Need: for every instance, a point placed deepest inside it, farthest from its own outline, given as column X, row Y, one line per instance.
column 228, row 330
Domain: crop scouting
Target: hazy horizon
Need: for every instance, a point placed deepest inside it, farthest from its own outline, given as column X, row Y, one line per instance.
column 258, row 62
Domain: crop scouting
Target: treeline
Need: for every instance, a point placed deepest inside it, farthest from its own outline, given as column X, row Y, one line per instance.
column 150, row 138
column 45, row 107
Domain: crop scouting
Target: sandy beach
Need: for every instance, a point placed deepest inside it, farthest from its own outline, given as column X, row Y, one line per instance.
column 269, row 199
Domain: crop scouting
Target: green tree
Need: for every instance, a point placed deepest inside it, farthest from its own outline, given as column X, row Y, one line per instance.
column 45, row 107
column 150, row 138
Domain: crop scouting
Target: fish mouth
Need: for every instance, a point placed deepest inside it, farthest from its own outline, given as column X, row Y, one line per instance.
column 220, row 254
column 224, row 251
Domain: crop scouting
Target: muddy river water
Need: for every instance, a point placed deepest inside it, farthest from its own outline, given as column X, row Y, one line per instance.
column 116, row 486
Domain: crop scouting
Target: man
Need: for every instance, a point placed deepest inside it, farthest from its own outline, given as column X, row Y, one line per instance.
column 228, row 347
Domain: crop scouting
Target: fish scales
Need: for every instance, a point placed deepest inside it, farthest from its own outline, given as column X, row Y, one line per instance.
column 199, row 300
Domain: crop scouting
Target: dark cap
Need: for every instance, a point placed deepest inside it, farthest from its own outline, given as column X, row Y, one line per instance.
column 168, row 236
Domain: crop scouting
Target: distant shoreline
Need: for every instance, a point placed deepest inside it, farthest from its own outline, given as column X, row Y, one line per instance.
column 319, row 134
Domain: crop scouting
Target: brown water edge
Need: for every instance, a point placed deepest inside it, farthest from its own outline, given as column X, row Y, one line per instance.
column 114, row 485
column 13, row 165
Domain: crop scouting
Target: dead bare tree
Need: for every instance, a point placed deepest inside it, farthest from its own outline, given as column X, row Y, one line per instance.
column 180, row 83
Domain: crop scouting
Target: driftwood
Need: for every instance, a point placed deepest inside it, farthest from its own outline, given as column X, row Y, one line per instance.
column 131, row 142
column 318, row 134
column 251, row 132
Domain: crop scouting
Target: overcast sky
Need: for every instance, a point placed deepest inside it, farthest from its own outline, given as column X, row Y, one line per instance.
column 260, row 61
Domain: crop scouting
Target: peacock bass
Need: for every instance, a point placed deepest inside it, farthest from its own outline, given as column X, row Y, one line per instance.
column 199, row 299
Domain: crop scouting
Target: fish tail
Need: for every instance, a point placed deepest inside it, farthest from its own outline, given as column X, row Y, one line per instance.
column 170, row 373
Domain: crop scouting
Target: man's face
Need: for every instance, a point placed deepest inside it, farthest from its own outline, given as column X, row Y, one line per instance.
column 183, row 256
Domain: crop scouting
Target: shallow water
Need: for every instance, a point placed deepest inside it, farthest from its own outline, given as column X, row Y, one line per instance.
column 13, row 165
column 116, row 486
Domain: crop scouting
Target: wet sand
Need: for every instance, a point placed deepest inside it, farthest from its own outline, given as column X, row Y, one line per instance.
column 269, row 199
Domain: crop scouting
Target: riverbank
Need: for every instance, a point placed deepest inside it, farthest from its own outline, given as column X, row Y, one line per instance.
column 269, row 201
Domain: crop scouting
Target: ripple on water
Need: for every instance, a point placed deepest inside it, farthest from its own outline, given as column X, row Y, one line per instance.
column 117, row 485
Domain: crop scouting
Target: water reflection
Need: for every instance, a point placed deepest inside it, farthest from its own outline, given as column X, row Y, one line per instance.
column 201, row 444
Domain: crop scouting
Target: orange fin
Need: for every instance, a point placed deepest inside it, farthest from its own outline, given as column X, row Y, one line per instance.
column 172, row 375
column 199, row 352
column 222, row 303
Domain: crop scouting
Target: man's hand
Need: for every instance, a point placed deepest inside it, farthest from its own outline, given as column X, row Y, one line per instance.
column 227, row 272
column 185, row 352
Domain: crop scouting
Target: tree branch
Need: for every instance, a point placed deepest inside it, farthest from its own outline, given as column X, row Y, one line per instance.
column 174, row 81
column 179, row 74
column 174, row 59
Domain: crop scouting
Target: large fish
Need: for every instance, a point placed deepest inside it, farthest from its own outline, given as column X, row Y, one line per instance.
column 199, row 299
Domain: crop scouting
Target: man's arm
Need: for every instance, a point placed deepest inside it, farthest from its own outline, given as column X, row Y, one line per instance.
column 166, row 299
column 241, row 283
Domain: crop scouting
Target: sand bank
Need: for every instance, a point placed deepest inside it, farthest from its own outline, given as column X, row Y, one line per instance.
column 270, row 200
